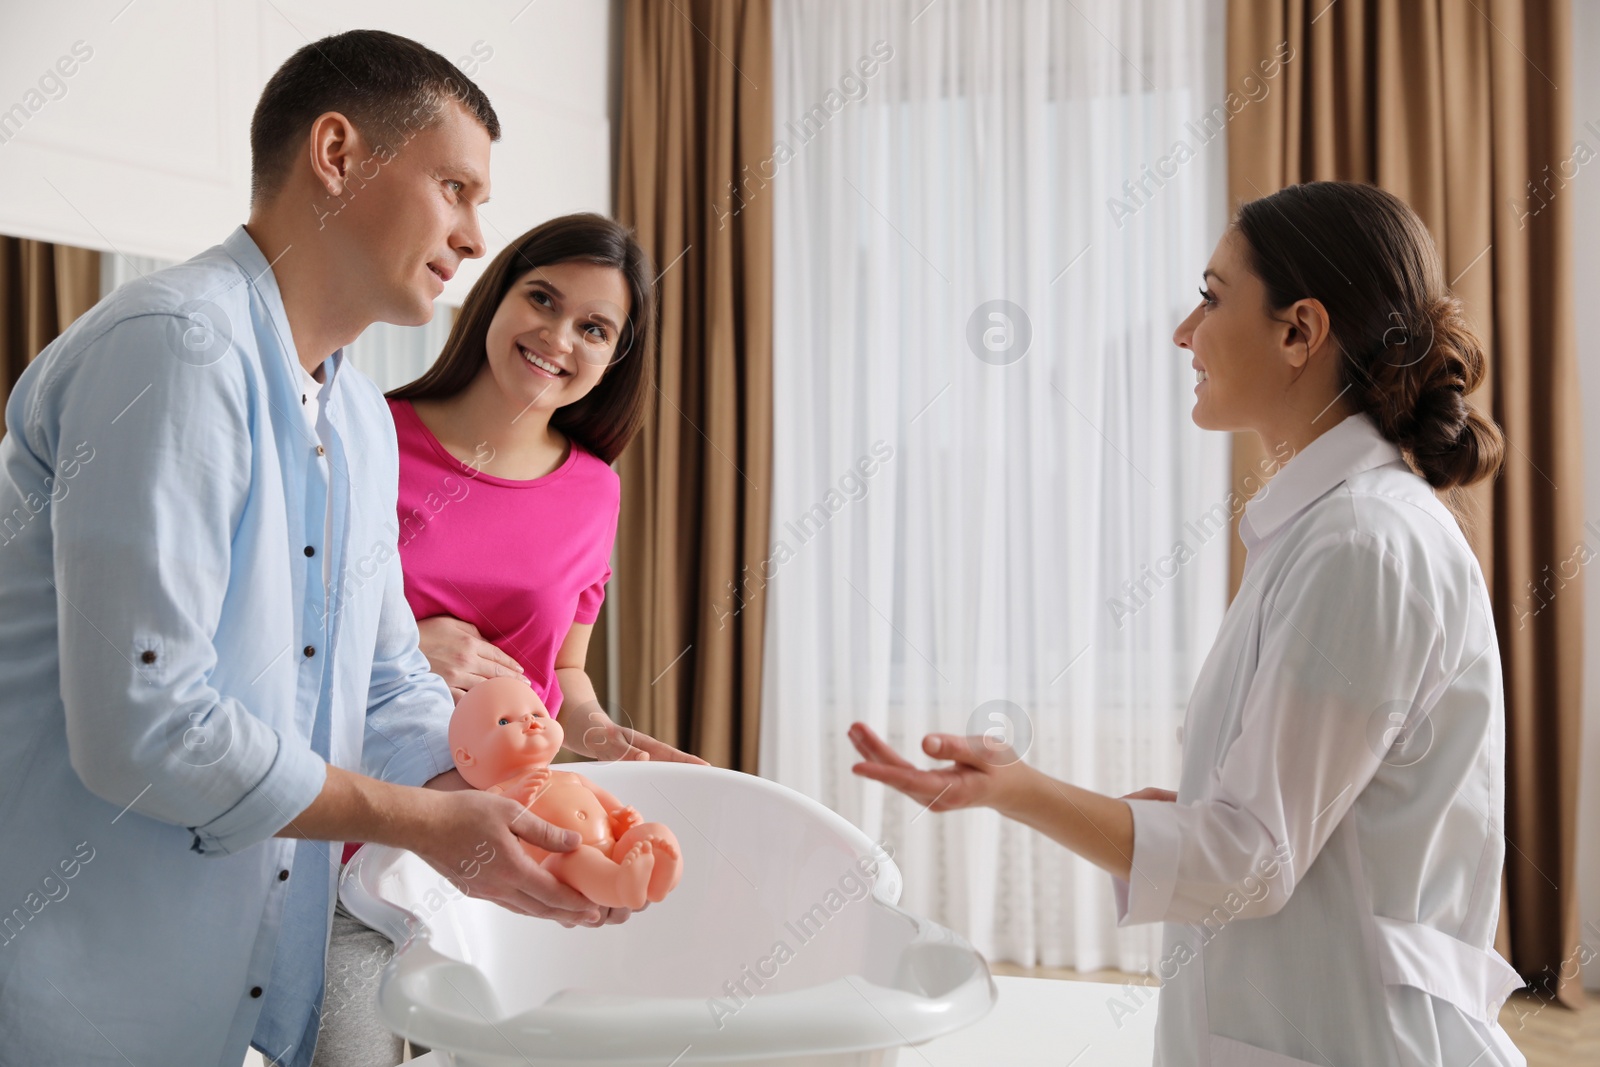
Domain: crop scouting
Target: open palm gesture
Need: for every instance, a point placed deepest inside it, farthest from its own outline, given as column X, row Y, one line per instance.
column 984, row 772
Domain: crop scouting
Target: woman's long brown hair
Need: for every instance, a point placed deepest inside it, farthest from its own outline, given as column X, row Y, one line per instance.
column 605, row 420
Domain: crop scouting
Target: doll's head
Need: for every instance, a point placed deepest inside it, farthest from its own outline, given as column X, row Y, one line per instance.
column 500, row 729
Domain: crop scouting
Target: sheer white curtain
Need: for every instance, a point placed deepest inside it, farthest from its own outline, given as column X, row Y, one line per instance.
column 390, row 355
column 984, row 462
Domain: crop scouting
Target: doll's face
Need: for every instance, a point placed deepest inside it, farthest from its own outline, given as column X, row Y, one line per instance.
column 500, row 729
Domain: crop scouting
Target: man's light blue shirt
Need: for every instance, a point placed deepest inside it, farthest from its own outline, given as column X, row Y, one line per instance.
column 175, row 676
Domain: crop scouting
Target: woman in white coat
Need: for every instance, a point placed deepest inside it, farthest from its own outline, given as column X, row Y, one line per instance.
column 1329, row 868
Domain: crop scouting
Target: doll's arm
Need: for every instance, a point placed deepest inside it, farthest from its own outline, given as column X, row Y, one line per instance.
column 623, row 817
column 525, row 786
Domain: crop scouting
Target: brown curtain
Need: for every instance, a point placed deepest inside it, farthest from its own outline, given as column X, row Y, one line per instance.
column 1455, row 106
column 696, row 123
column 43, row 288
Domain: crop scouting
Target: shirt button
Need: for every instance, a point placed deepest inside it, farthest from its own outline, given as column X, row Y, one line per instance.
column 283, row 876
column 310, row 551
column 321, row 451
column 311, row 650
column 255, row 991
column 148, row 656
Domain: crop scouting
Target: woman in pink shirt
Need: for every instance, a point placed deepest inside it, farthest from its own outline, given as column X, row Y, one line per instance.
column 508, row 509
column 508, row 504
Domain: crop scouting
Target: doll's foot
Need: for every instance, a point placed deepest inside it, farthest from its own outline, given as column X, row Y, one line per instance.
column 636, row 866
column 667, row 871
column 660, row 838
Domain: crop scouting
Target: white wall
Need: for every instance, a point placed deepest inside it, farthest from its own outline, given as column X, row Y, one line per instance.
column 1585, row 190
column 144, row 147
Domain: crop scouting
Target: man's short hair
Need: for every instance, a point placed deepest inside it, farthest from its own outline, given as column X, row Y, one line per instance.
column 390, row 87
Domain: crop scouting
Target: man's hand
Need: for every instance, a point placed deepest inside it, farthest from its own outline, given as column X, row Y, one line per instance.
column 457, row 652
column 476, row 840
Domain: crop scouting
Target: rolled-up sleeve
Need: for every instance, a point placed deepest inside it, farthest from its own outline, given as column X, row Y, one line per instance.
column 1345, row 638
column 1157, row 844
column 408, row 706
column 142, row 566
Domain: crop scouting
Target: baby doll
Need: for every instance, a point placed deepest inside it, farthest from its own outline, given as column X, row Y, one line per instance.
column 503, row 739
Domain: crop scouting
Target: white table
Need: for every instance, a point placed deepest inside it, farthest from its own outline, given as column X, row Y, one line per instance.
column 1039, row 1022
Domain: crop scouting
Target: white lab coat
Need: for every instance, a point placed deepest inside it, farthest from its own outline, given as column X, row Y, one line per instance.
column 1330, row 875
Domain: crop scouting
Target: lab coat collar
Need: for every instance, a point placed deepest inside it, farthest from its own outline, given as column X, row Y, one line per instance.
column 244, row 251
column 1353, row 446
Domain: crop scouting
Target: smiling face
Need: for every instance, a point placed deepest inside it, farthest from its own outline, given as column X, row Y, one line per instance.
column 407, row 219
column 501, row 729
column 1237, row 345
column 555, row 332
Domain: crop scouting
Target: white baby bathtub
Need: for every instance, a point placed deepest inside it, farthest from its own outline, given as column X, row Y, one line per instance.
column 773, row 950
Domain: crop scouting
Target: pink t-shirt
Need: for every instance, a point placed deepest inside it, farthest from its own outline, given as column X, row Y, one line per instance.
column 520, row 560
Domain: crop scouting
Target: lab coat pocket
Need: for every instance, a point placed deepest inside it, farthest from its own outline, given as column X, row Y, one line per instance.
column 1475, row 980
column 1226, row 1052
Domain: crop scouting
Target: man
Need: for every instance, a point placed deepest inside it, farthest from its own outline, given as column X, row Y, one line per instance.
column 204, row 647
